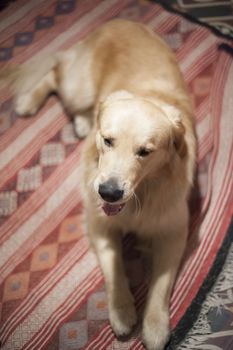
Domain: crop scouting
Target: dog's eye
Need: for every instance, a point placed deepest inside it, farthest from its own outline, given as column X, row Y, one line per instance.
column 108, row 142
column 143, row 152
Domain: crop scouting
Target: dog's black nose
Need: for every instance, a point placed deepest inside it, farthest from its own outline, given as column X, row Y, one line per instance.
column 110, row 191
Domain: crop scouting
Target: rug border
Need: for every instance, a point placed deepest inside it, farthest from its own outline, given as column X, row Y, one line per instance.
column 193, row 19
column 192, row 313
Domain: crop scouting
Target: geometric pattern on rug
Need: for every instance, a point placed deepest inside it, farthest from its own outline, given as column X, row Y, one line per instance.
column 213, row 328
column 41, row 22
column 29, row 273
column 36, row 171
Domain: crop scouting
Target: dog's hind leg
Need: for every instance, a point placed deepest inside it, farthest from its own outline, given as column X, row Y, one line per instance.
column 77, row 87
column 28, row 103
column 32, row 83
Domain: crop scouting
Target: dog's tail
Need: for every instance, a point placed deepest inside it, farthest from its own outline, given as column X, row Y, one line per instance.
column 24, row 77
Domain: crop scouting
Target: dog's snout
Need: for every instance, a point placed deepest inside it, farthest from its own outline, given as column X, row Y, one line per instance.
column 110, row 191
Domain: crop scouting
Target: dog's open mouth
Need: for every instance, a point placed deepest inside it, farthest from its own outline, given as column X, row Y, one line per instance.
column 112, row 209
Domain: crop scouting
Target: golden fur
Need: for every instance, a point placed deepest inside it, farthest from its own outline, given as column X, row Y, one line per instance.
column 143, row 138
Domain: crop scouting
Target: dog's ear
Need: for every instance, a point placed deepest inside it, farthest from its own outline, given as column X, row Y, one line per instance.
column 174, row 115
column 179, row 140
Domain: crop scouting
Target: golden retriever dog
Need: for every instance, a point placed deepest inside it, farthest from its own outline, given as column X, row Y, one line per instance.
column 138, row 160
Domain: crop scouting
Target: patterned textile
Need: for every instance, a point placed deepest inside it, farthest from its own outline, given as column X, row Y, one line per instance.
column 4, row 4
column 213, row 327
column 52, row 293
column 218, row 15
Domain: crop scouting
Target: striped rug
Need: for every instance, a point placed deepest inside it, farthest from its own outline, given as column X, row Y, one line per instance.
column 52, row 293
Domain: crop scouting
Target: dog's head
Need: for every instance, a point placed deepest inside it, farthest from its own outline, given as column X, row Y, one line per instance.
column 135, row 139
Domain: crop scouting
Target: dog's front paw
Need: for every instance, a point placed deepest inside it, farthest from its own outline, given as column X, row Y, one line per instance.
column 25, row 105
column 122, row 319
column 82, row 126
column 155, row 332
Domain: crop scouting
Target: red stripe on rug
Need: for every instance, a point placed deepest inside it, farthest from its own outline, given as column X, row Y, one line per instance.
column 212, row 162
column 72, row 303
column 38, row 292
column 12, row 8
column 27, row 153
column 28, row 20
column 38, row 198
column 203, row 242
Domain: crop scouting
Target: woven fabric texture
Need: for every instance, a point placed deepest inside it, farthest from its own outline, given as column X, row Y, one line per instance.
column 52, row 293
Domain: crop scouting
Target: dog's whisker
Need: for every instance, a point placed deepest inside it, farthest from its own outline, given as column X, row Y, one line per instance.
column 137, row 203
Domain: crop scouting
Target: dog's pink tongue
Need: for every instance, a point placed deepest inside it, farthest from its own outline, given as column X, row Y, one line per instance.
column 112, row 209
